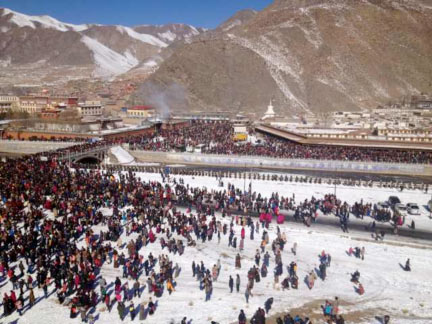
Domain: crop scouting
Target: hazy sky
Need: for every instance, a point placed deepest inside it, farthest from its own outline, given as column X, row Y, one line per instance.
column 200, row 13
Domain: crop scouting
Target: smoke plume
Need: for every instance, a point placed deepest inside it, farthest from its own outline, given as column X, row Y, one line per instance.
column 164, row 98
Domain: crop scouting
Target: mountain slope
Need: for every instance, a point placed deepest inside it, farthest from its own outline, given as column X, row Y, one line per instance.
column 170, row 33
column 310, row 56
column 38, row 45
column 238, row 19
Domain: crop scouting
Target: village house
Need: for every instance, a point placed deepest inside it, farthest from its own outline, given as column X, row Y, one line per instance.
column 140, row 112
column 33, row 104
column 91, row 108
column 8, row 103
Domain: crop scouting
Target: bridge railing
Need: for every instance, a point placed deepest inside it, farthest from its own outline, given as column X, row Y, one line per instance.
column 77, row 153
column 62, row 143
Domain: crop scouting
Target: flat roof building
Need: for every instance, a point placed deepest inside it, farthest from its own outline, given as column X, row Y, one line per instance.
column 140, row 112
column 91, row 108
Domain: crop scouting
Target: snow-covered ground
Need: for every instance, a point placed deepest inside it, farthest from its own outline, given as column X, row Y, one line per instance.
column 388, row 289
column 303, row 191
column 122, row 156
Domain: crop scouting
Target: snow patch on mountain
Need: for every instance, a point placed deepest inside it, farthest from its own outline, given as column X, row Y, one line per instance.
column 278, row 64
column 151, row 63
column 168, row 36
column 130, row 57
column 335, row 84
column 22, row 20
column 416, row 4
column 193, row 32
column 109, row 62
column 236, row 22
column 379, row 90
column 80, row 28
column 324, row 80
column 313, row 35
column 145, row 38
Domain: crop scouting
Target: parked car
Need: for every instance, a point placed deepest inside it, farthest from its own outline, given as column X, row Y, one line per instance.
column 383, row 205
column 393, row 200
column 413, row 209
column 401, row 209
column 383, row 212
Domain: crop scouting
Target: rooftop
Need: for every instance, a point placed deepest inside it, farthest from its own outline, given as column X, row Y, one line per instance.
column 141, row 108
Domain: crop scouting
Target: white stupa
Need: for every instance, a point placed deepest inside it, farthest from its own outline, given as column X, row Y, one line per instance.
column 270, row 112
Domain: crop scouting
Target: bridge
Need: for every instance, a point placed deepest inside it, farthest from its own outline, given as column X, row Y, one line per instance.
column 294, row 137
column 17, row 148
column 357, row 142
column 90, row 156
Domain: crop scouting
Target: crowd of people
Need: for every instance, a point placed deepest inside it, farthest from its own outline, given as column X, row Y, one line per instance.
column 48, row 213
column 218, row 138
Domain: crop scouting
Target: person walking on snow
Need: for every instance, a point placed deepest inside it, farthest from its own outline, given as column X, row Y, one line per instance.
column 241, row 245
column 294, row 248
column 407, row 265
column 267, row 259
column 121, row 310
column 237, row 261
column 268, row 304
column 132, row 310
column 242, row 317
column 231, row 283
column 360, row 289
column 238, row 282
column 257, row 258
column 248, row 293
column 215, row 272
column 311, row 279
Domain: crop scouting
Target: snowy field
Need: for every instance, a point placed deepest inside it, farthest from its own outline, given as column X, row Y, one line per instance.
column 304, row 191
column 388, row 289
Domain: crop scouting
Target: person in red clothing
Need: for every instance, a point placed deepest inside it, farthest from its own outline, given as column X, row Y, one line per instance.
column 13, row 296
column 360, row 289
column 152, row 237
column 108, row 302
column 10, row 273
